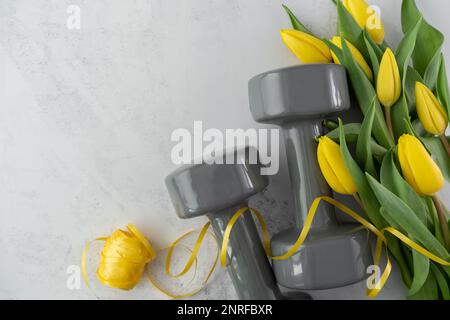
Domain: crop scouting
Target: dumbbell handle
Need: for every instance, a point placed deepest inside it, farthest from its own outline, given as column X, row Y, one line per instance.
column 307, row 181
column 248, row 265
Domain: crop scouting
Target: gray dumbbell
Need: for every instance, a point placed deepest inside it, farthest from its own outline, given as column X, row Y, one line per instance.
column 297, row 99
column 218, row 191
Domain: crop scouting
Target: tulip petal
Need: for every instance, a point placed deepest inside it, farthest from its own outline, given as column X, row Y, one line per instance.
column 405, row 165
column 433, row 113
column 328, row 173
column 385, row 86
column 358, row 10
column 356, row 55
column 430, row 111
column 422, row 109
column 418, row 167
column 336, row 173
column 437, row 113
column 396, row 75
column 306, row 47
column 388, row 83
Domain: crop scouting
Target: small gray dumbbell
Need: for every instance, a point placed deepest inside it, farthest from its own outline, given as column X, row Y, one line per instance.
column 297, row 99
column 218, row 191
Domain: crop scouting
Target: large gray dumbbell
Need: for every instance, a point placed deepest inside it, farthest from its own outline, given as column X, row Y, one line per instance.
column 218, row 191
column 297, row 99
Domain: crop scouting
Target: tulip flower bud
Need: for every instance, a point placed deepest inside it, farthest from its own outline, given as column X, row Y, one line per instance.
column 306, row 47
column 389, row 84
column 431, row 113
column 418, row 168
column 333, row 167
column 366, row 17
column 356, row 55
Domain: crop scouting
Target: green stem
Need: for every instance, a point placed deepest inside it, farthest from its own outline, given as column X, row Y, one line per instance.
column 436, row 226
column 388, row 117
column 442, row 220
column 445, row 143
column 330, row 124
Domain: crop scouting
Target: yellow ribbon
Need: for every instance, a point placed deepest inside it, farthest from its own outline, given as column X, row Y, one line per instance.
column 381, row 239
column 126, row 254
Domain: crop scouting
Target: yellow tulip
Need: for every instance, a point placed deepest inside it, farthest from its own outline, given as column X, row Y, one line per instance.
column 418, row 168
column 431, row 113
column 333, row 167
column 389, row 84
column 356, row 55
column 367, row 18
column 306, row 47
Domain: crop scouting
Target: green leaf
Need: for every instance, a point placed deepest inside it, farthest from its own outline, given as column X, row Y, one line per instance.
column 363, row 149
column 412, row 76
column 374, row 58
column 442, row 86
column 421, row 266
column 418, row 128
column 438, row 153
column 409, row 127
column 365, row 94
column 401, row 120
column 368, row 199
column 431, row 73
column 400, row 111
column 406, row 48
column 383, row 46
column 392, row 179
column 350, row 30
column 405, row 217
column 296, row 24
column 441, row 281
column 430, row 38
column 373, row 45
column 336, row 50
column 398, row 251
column 429, row 291
column 434, row 217
column 352, row 132
column 397, row 210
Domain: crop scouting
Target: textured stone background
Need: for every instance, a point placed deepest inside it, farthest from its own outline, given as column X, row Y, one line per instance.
column 86, row 117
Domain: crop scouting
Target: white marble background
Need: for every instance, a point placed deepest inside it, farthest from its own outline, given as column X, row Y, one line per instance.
column 86, row 117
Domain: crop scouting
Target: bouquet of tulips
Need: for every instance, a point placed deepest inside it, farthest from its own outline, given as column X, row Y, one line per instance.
column 402, row 155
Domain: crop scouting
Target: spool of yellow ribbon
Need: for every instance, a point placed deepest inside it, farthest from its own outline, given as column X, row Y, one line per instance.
column 126, row 254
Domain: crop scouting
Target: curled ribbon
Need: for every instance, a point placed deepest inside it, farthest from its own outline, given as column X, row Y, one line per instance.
column 381, row 239
column 126, row 254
